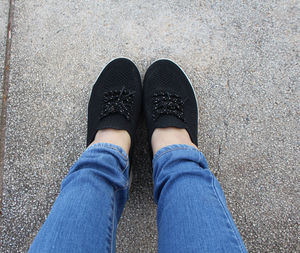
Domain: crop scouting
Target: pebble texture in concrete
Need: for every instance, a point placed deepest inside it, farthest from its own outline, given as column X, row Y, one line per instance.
column 3, row 30
column 243, row 60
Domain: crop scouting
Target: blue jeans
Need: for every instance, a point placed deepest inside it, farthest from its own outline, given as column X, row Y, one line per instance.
column 192, row 214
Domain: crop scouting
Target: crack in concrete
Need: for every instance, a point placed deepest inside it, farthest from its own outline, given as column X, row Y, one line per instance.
column 5, row 88
column 226, row 124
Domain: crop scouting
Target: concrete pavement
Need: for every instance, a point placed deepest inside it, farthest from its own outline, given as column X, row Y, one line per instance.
column 243, row 60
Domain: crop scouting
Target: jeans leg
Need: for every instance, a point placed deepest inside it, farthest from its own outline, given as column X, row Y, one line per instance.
column 192, row 214
column 85, row 215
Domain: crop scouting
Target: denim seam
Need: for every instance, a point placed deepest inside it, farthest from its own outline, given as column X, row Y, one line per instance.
column 126, row 179
column 113, row 216
column 224, row 210
column 113, row 220
column 173, row 149
column 126, row 166
column 112, row 223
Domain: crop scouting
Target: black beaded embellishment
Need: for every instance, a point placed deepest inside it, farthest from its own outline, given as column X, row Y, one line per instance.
column 118, row 101
column 165, row 103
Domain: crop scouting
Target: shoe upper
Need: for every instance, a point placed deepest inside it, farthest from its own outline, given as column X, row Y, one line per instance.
column 116, row 99
column 169, row 99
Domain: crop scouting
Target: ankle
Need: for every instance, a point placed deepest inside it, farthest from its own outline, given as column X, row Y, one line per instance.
column 163, row 137
column 113, row 136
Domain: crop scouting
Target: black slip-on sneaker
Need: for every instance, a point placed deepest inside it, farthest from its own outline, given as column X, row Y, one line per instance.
column 169, row 99
column 116, row 99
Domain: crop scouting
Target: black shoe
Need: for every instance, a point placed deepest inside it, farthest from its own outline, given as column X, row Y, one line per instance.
column 116, row 99
column 169, row 99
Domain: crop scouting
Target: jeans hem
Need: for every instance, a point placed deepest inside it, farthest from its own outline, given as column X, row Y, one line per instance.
column 109, row 146
column 173, row 147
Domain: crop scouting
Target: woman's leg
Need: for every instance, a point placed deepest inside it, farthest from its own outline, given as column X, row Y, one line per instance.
column 85, row 215
column 192, row 214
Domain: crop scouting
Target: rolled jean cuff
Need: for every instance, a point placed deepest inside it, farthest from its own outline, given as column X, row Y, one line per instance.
column 108, row 146
column 173, row 148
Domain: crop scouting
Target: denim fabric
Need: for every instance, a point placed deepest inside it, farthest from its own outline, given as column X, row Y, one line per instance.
column 85, row 215
column 192, row 213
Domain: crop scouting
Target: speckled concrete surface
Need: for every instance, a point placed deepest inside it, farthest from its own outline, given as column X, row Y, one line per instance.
column 243, row 59
column 3, row 30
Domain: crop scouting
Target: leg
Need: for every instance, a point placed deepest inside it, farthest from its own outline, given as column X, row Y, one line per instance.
column 85, row 215
column 192, row 214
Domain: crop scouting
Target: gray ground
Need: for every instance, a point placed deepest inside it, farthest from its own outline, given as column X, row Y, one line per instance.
column 243, row 60
column 3, row 31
